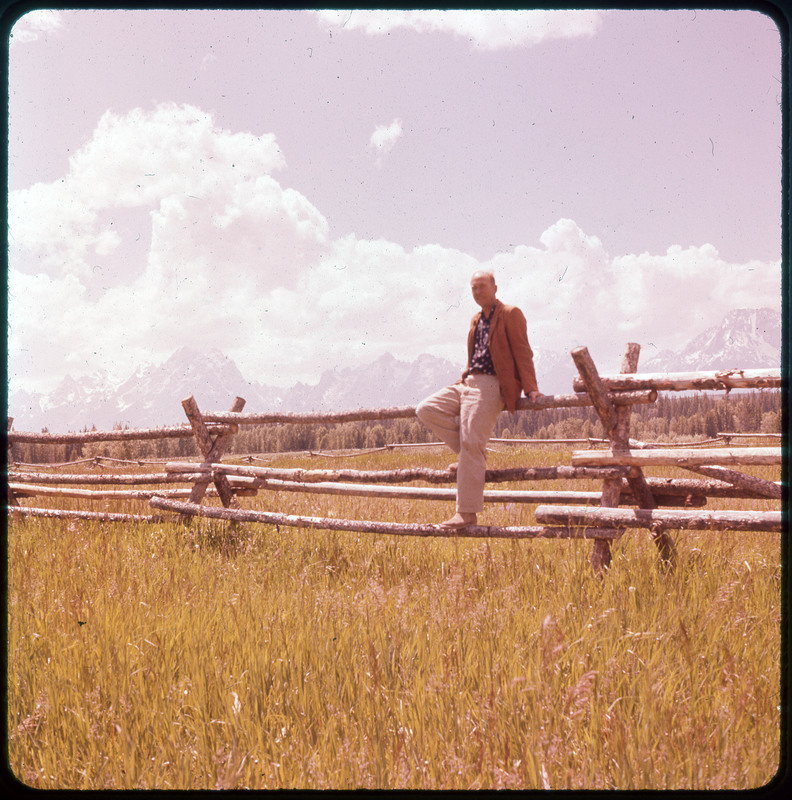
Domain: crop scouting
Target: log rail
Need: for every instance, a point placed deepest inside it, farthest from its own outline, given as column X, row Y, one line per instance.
column 686, row 381
column 375, row 526
column 220, row 423
column 122, row 434
column 678, row 457
column 578, row 516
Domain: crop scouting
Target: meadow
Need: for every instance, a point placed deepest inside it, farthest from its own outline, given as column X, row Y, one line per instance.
column 168, row 656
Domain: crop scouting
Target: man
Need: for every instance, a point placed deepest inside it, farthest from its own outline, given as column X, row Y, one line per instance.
column 500, row 366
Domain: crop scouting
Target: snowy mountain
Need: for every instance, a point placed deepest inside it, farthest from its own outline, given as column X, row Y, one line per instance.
column 383, row 383
column 149, row 398
column 747, row 338
column 152, row 395
column 69, row 406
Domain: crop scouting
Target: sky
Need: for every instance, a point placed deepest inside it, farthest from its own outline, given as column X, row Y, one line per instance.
column 308, row 190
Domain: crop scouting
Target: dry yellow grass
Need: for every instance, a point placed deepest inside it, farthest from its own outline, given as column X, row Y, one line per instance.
column 198, row 658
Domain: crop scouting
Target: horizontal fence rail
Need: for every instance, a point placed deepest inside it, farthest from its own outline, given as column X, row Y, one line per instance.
column 684, row 381
column 646, row 518
column 122, row 434
column 35, row 490
column 372, row 526
column 432, row 493
column 218, row 423
column 691, row 487
column 99, row 516
column 726, row 435
column 680, row 489
column 106, row 478
column 542, row 403
column 678, row 457
column 395, row 475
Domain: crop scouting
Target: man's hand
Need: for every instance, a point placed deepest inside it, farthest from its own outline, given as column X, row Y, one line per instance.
column 534, row 396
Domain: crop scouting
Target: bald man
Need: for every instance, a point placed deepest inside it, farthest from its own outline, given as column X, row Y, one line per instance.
column 499, row 368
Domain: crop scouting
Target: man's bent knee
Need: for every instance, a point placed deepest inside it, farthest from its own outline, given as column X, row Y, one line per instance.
column 420, row 410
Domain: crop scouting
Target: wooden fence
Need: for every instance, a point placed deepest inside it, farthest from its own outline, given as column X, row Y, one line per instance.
column 658, row 505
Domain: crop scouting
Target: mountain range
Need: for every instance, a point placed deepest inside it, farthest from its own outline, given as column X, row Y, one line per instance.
column 748, row 338
column 151, row 396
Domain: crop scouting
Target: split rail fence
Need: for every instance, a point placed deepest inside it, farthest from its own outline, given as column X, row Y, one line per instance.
column 628, row 499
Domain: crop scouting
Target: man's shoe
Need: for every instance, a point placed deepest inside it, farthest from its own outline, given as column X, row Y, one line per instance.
column 459, row 521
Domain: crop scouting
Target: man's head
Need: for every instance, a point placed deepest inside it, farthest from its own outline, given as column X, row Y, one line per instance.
column 482, row 284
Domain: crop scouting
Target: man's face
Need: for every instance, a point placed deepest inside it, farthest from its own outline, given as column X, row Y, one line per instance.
column 483, row 289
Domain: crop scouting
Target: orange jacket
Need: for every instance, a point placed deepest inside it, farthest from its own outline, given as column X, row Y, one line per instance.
column 511, row 353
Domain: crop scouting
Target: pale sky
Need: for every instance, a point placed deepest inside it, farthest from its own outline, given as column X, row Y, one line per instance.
column 308, row 190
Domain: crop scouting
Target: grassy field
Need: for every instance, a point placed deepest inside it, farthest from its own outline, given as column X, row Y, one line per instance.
column 195, row 657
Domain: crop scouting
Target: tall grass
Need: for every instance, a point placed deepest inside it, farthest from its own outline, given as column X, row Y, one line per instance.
column 205, row 657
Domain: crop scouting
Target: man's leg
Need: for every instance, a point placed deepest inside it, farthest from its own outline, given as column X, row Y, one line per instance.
column 440, row 413
column 481, row 405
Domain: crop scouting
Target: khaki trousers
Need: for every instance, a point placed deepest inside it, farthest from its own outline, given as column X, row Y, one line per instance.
column 463, row 416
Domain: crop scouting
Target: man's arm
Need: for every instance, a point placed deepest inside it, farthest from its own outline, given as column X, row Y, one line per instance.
column 470, row 338
column 517, row 331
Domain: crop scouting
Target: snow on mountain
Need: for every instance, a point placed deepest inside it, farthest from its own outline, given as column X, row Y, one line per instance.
column 69, row 407
column 152, row 395
column 747, row 338
column 385, row 382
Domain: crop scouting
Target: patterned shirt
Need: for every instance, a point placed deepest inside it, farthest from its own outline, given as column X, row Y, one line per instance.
column 481, row 361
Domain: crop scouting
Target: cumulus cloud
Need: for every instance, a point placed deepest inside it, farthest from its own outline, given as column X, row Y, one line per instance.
column 223, row 234
column 484, row 29
column 172, row 161
column 664, row 297
column 384, row 138
column 234, row 260
column 575, row 293
column 36, row 347
column 34, row 24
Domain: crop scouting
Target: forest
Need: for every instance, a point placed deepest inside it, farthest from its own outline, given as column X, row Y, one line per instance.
column 671, row 418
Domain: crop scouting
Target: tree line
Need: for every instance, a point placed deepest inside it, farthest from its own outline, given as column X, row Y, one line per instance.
column 670, row 418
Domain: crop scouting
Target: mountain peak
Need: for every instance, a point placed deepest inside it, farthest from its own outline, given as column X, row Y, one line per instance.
column 746, row 338
column 152, row 395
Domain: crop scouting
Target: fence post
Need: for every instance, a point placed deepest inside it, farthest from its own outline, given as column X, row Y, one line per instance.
column 616, row 421
column 636, row 479
column 611, row 487
column 211, row 450
column 12, row 500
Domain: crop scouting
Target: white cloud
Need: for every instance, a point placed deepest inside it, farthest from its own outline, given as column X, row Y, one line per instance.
column 385, row 137
column 485, row 29
column 171, row 157
column 223, row 235
column 685, row 291
column 234, row 260
column 34, row 24
column 575, row 293
column 45, row 329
